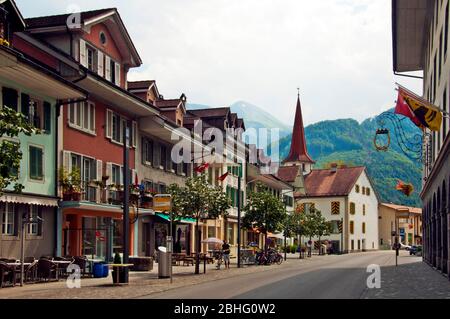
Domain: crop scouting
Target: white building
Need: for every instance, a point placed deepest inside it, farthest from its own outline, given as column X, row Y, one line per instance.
column 344, row 194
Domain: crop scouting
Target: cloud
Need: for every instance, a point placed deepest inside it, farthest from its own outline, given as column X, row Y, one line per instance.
column 220, row 51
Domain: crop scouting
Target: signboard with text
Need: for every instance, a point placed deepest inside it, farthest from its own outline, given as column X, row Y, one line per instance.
column 162, row 203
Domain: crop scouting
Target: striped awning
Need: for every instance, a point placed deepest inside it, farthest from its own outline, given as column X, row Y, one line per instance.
column 29, row 200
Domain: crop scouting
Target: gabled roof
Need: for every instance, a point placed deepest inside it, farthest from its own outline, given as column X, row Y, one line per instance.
column 48, row 24
column 289, row 174
column 213, row 112
column 164, row 104
column 140, row 85
column 18, row 19
column 61, row 19
column 413, row 210
column 326, row 182
column 298, row 152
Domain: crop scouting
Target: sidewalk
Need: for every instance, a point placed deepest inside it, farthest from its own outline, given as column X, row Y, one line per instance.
column 412, row 279
column 141, row 283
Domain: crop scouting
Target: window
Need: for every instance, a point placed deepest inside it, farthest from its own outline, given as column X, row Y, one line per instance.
column 89, row 170
column 163, row 156
column 309, row 207
column 363, row 228
column 352, row 208
column 353, row 244
column 149, row 186
column 364, row 210
column 230, row 234
column 10, row 97
column 36, row 163
column 444, row 121
column 364, row 191
column 35, row 227
column 117, row 135
column 9, row 219
column 116, row 172
column 147, row 151
column 162, row 188
column 288, row 200
column 82, row 116
column 352, row 227
column 102, row 38
column 357, row 188
column 90, row 53
column 335, row 208
column 368, row 191
column 115, row 126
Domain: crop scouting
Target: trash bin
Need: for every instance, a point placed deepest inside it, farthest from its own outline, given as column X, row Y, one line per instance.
column 164, row 263
column 105, row 270
column 98, row 271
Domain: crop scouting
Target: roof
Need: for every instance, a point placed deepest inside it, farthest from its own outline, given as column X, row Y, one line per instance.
column 213, row 112
column 140, row 85
column 326, row 182
column 289, row 173
column 298, row 152
column 409, row 19
column 414, row 210
column 168, row 103
column 18, row 19
column 87, row 18
column 61, row 19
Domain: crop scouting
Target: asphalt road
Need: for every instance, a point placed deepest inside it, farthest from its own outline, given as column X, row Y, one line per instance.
column 318, row 278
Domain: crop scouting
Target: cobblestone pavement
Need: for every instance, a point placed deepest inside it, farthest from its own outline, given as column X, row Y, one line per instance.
column 412, row 279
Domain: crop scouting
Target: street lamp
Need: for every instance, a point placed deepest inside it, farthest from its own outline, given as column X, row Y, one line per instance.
column 285, row 230
column 26, row 220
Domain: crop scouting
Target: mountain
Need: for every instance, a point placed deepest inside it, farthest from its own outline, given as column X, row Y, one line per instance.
column 254, row 117
column 347, row 141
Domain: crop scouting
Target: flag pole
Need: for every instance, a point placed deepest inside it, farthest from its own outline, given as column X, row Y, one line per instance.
column 421, row 99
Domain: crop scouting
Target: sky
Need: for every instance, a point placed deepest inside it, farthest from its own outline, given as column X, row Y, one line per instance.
column 217, row 52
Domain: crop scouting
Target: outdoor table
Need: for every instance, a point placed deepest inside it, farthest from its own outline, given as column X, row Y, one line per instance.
column 120, row 266
column 18, row 264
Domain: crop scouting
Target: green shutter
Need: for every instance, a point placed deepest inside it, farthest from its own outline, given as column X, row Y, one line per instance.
column 47, row 118
column 25, row 105
column 36, row 163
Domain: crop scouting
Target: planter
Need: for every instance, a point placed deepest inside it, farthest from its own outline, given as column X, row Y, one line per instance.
column 120, row 275
column 67, row 197
column 76, row 196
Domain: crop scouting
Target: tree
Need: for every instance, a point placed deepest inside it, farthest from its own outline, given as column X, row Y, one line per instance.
column 323, row 227
column 295, row 227
column 12, row 124
column 265, row 212
column 198, row 200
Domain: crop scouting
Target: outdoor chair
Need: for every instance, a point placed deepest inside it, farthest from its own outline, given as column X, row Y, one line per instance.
column 47, row 270
column 30, row 271
column 82, row 262
column 7, row 274
column 29, row 260
column 62, row 268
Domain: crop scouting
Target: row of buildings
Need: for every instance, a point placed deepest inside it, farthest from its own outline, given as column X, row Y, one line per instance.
column 421, row 44
column 68, row 74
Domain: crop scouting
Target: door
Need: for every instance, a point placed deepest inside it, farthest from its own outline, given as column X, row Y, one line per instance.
column 147, row 239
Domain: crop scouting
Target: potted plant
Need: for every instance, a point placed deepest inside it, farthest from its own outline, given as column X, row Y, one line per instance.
column 147, row 199
column 64, row 181
column 119, row 273
column 75, row 179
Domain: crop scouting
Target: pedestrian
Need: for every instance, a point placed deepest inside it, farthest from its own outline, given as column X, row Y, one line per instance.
column 226, row 254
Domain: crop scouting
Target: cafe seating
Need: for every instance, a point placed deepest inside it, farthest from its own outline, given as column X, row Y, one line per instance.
column 47, row 270
column 7, row 274
column 82, row 262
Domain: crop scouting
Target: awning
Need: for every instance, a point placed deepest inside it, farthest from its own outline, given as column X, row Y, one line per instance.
column 183, row 220
column 29, row 200
column 408, row 23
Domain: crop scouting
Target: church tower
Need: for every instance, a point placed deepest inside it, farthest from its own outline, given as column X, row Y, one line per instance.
column 298, row 156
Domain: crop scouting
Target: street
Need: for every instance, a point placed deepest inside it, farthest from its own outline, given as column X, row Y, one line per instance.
column 326, row 277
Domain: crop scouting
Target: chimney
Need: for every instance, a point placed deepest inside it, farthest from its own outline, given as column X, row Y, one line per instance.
column 334, row 167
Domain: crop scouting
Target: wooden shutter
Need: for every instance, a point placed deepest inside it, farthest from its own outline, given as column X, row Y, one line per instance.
column 118, row 78
column 67, row 163
column 109, row 173
column 109, row 119
column 134, row 134
column 83, row 56
column 156, row 157
column 99, row 170
column 100, row 63
column 108, row 68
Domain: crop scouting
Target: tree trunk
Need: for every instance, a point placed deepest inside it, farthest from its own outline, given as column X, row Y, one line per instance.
column 265, row 242
column 320, row 247
column 197, row 248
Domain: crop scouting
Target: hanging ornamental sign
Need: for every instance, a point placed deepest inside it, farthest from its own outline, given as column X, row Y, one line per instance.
column 378, row 140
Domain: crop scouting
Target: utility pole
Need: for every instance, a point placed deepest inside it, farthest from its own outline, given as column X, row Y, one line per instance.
column 239, row 217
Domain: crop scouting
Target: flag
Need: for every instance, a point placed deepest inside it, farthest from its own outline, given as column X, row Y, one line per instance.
column 419, row 111
column 406, row 189
column 223, row 177
column 202, row 168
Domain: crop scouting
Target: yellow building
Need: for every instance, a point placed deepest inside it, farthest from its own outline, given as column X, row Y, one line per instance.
column 407, row 221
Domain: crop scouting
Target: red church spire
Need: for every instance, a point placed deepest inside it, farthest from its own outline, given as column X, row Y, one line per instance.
column 299, row 152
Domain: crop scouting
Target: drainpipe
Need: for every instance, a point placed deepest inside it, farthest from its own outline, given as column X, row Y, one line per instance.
column 58, row 211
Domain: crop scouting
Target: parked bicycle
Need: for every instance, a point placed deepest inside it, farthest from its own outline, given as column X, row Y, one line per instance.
column 269, row 258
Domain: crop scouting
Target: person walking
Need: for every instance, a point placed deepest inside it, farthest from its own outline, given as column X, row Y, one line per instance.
column 226, row 254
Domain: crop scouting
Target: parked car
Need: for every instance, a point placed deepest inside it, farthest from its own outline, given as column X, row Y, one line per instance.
column 415, row 250
column 402, row 247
